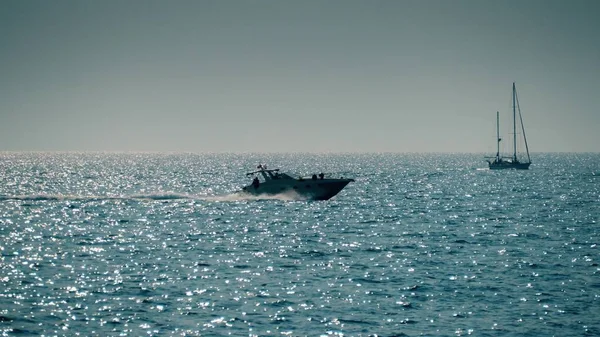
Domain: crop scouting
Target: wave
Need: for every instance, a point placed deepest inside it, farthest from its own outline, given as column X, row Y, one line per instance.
column 61, row 197
column 241, row 196
column 232, row 197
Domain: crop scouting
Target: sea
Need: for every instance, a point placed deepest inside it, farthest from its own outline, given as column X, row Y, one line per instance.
column 161, row 244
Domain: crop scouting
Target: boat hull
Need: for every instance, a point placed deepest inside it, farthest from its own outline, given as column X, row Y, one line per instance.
column 321, row 189
column 509, row 166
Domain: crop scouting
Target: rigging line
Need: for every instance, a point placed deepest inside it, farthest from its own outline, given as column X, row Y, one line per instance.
column 522, row 127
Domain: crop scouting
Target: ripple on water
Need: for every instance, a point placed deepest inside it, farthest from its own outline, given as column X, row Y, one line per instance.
column 156, row 244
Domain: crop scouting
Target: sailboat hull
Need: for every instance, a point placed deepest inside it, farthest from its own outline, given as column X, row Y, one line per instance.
column 509, row 165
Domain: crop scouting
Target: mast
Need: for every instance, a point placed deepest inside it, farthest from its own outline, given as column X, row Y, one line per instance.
column 498, row 136
column 514, row 124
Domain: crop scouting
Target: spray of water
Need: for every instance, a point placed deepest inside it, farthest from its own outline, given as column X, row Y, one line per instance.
column 238, row 196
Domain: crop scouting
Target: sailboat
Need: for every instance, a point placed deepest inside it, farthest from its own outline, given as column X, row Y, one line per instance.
column 499, row 162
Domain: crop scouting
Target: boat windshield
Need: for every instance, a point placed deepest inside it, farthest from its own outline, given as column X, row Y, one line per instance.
column 270, row 175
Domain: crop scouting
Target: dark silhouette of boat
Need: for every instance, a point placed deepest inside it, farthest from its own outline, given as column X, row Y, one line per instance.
column 273, row 182
column 514, row 162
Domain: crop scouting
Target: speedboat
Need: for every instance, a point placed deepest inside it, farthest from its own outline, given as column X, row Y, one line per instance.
column 273, row 182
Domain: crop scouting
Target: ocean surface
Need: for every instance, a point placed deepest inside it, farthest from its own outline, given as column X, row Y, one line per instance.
column 144, row 244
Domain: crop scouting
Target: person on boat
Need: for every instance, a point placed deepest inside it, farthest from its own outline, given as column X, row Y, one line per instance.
column 321, row 175
column 255, row 182
column 314, row 177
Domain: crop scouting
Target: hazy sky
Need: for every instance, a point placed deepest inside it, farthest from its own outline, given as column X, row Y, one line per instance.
column 308, row 76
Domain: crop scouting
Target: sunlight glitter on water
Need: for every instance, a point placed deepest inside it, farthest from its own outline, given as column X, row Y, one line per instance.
column 159, row 245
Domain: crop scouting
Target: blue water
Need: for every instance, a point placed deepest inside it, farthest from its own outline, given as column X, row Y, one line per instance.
column 420, row 244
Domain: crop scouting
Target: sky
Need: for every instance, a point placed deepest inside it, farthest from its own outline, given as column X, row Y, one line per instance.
column 297, row 76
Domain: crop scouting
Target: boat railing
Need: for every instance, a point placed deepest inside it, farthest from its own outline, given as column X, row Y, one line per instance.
column 262, row 170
